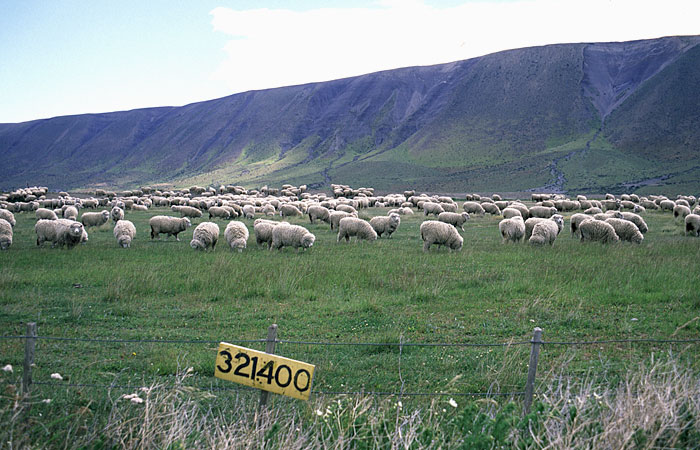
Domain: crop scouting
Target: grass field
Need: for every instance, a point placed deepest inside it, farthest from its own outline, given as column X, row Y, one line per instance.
column 386, row 291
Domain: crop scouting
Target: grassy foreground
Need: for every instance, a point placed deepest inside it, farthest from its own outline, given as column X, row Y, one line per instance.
column 386, row 291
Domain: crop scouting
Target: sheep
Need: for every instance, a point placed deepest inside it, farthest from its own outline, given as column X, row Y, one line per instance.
column 576, row 221
column 236, row 234
column 44, row 213
column 287, row 235
column 5, row 234
column 352, row 226
column 8, row 217
column 608, row 215
column 386, row 224
column 542, row 212
column 454, row 219
column 626, row 230
column 187, row 211
column 593, row 210
column 139, row 207
column 336, row 216
column 287, row 210
column 667, row 205
column 318, row 212
column 598, row 230
column 263, row 231
column 509, row 212
column 544, row 232
column 524, row 211
column 219, row 212
column 637, row 220
column 440, row 233
column 692, row 224
column 696, row 210
column 124, row 233
column 116, row 214
column 268, row 210
column 473, row 208
column 60, row 232
column 168, row 225
column 205, row 235
column 532, row 221
column 512, row 229
column 680, row 211
column 346, row 208
column 491, row 208
column 71, row 213
column 95, row 219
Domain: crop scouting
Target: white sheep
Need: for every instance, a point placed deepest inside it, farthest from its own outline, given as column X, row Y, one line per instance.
column 287, row 235
column 8, row 216
column 626, row 230
column 249, row 211
column 509, row 212
column 60, row 232
column 680, row 211
column 95, row 219
column 318, row 212
column 440, row 233
column 168, row 225
column 542, row 212
column 637, row 220
column 692, row 225
column 71, row 213
column 454, row 219
column 263, row 231
column 598, row 230
column 512, row 229
column 532, row 221
column 219, row 212
column 544, row 232
column 385, row 224
column 5, row 234
column 432, row 208
column 473, row 208
column 287, row 210
column 352, row 226
column 117, row 214
column 491, row 208
column 576, row 221
column 667, row 205
column 236, row 235
column 205, row 235
column 44, row 213
column 336, row 216
column 124, row 233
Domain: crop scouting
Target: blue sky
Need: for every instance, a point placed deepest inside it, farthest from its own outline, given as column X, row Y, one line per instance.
column 71, row 57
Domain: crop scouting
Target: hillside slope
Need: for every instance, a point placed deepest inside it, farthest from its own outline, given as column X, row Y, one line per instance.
column 561, row 117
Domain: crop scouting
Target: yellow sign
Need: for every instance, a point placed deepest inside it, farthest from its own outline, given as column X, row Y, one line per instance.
column 264, row 371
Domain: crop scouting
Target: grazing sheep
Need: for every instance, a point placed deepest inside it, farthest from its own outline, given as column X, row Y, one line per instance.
column 287, row 210
column 219, row 212
column 71, row 213
column 346, row 208
column 473, row 208
column 542, row 212
column 336, row 216
column 524, row 211
column 187, row 211
column 124, row 232
column 544, row 232
column 637, row 220
column 454, row 219
column 205, row 235
column 8, row 216
column 116, row 214
column 598, row 230
column 491, row 208
column 512, row 229
column 593, row 211
column 287, row 235
column 696, row 210
column 680, row 211
column 576, row 221
column 440, row 233
column 352, row 226
column 139, row 207
column 432, row 208
column 263, row 231
column 692, row 224
column 47, row 214
column 236, row 234
column 168, row 225
column 5, row 234
column 268, row 210
column 449, row 207
column 317, row 212
column 532, row 221
column 60, row 232
column 386, row 224
column 667, row 205
column 509, row 212
column 608, row 215
column 626, row 230
column 95, row 219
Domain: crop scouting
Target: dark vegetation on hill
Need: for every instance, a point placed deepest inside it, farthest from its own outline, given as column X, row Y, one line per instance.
column 570, row 117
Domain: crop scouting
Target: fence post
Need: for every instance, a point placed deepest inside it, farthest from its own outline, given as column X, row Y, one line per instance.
column 532, row 368
column 29, row 346
column 269, row 348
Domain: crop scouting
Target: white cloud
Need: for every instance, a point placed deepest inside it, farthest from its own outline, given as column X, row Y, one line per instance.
column 275, row 47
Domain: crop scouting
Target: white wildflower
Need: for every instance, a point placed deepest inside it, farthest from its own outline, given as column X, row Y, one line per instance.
column 56, row 376
column 8, row 368
column 136, row 400
column 399, row 404
column 452, row 403
column 319, row 412
column 46, row 400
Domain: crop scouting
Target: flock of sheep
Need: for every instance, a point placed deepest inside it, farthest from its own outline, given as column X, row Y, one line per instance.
column 609, row 220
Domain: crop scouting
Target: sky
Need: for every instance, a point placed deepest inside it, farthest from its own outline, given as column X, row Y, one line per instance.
column 64, row 57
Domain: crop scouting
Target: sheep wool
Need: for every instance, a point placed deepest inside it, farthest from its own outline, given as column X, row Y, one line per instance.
column 219, row 212
column 637, row 220
column 8, row 216
column 95, row 219
column 491, row 208
column 336, row 216
column 454, row 219
column 576, row 221
column 318, row 212
column 473, row 208
column 512, row 229
column 236, row 235
column 692, row 225
column 168, row 225
column 117, row 214
column 598, row 230
column 44, row 213
column 263, row 231
column 352, row 226
column 124, row 233
column 5, row 234
column 71, row 212
column 60, row 232
column 287, row 210
column 509, row 213
column 626, row 230
column 544, row 232
column 434, row 232
column 205, row 235
column 248, row 211
column 385, row 224
column 286, row 235
column 542, row 212
column 680, row 211
column 532, row 221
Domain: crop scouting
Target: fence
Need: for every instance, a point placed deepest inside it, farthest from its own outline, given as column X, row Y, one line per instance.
column 527, row 393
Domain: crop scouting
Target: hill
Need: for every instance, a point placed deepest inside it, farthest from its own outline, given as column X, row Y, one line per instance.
column 569, row 117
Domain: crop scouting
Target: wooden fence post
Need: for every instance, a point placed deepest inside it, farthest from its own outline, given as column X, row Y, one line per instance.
column 29, row 346
column 532, row 368
column 269, row 348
